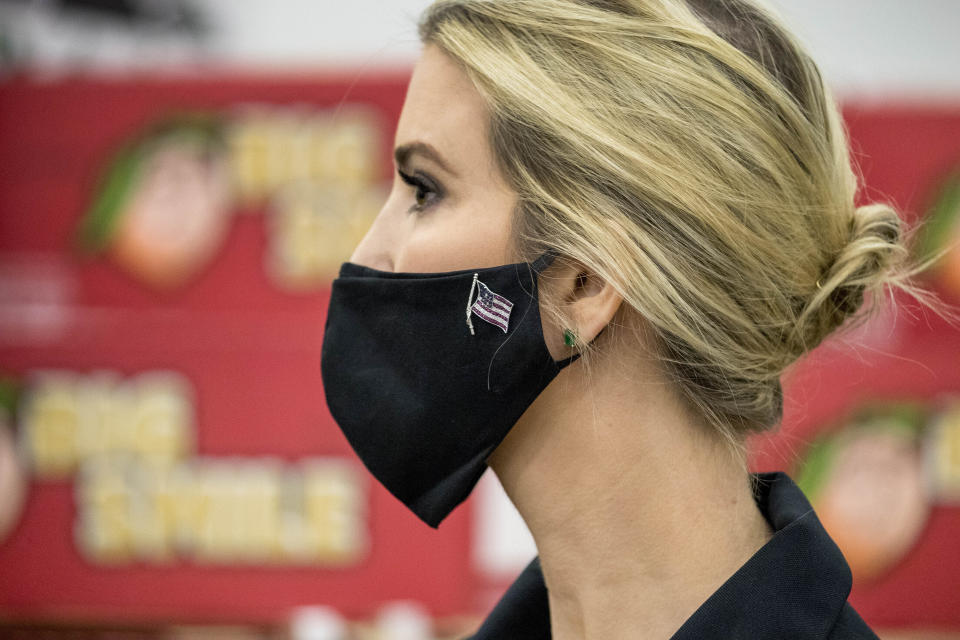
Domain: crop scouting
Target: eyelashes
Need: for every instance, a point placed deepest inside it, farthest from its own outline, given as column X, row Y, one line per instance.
column 426, row 192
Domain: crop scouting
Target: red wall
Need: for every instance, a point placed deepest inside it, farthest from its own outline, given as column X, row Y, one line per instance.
column 252, row 353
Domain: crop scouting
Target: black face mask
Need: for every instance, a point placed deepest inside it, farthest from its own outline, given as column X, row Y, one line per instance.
column 425, row 373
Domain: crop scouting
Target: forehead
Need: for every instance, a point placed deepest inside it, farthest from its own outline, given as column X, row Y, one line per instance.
column 443, row 109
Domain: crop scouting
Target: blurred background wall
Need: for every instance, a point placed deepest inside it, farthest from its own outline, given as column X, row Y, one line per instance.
column 179, row 180
column 866, row 48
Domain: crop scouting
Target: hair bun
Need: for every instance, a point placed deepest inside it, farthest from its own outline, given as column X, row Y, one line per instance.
column 869, row 260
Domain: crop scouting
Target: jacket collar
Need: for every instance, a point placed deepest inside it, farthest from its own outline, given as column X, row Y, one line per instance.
column 795, row 586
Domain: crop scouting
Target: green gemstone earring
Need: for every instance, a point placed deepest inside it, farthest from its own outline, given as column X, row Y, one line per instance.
column 569, row 337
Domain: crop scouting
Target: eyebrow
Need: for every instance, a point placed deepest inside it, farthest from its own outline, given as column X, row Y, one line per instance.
column 402, row 154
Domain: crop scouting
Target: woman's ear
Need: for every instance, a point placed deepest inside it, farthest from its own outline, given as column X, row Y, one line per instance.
column 588, row 302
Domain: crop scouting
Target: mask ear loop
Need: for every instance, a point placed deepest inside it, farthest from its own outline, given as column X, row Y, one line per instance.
column 563, row 363
column 544, row 261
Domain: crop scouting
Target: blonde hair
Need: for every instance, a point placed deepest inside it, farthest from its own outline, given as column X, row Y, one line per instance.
column 691, row 155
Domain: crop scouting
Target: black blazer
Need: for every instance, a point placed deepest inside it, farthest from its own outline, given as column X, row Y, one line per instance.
column 795, row 587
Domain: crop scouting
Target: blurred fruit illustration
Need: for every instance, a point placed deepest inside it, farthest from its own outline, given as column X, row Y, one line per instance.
column 941, row 232
column 13, row 480
column 164, row 205
column 866, row 484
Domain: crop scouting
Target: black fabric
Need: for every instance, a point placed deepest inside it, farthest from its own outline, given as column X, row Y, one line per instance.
column 795, row 587
column 421, row 399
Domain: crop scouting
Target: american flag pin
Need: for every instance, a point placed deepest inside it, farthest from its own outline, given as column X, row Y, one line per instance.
column 489, row 306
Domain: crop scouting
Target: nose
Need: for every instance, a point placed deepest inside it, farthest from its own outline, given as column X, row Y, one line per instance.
column 376, row 249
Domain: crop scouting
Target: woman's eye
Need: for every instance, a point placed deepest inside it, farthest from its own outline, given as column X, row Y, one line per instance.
column 425, row 193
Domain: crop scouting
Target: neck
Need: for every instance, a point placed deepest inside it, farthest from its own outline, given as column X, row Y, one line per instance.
column 639, row 513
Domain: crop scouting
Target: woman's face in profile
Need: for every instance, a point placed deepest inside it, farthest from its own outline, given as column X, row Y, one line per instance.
column 449, row 208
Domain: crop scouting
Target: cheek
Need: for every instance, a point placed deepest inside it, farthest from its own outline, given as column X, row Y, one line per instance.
column 455, row 233
column 447, row 238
